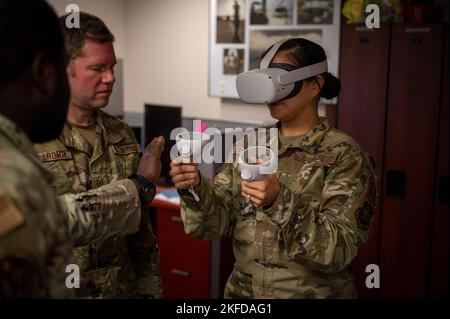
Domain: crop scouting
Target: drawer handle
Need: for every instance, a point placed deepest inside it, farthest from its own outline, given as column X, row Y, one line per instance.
column 176, row 219
column 179, row 272
column 443, row 190
column 364, row 39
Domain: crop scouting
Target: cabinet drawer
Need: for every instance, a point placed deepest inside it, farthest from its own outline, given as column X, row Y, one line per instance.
column 184, row 260
column 172, row 238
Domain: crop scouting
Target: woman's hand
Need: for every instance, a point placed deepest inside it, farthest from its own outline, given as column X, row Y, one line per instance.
column 263, row 192
column 184, row 175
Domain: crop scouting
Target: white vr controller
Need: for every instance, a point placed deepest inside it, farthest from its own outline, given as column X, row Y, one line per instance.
column 253, row 171
column 191, row 146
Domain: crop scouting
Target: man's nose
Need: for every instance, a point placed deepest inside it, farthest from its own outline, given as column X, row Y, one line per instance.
column 108, row 76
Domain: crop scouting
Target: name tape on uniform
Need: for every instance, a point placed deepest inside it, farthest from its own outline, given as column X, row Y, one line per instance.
column 126, row 149
column 54, row 156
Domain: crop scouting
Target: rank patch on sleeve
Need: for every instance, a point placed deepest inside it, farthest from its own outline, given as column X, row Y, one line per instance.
column 10, row 216
column 364, row 215
column 126, row 149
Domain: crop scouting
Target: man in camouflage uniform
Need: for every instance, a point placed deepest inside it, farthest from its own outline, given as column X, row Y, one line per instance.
column 301, row 245
column 37, row 229
column 94, row 149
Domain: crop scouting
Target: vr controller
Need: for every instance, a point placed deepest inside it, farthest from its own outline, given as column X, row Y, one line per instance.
column 191, row 146
column 257, row 161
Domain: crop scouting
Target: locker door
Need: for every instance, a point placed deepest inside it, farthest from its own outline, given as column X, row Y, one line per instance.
column 440, row 245
column 410, row 155
column 361, row 114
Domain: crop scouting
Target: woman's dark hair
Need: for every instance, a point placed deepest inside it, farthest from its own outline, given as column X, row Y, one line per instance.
column 302, row 53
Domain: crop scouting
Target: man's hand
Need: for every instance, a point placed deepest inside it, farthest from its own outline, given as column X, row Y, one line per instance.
column 184, row 175
column 150, row 163
column 263, row 192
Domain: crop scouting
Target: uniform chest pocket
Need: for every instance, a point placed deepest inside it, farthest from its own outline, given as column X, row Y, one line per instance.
column 61, row 164
column 312, row 170
column 126, row 159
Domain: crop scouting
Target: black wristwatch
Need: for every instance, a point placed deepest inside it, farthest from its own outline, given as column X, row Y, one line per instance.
column 147, row 190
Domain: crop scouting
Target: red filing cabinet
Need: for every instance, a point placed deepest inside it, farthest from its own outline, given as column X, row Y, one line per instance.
column 190, row 268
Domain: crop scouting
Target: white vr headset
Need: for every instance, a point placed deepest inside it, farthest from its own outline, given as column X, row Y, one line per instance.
column 274, row 82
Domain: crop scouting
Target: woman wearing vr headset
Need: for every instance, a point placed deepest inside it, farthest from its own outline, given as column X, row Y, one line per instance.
column 311, row 215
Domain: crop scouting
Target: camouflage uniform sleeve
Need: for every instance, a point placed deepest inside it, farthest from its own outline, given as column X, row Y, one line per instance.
column 211, row 217
column 22, row 261
column 110, row 210
column 325, row 235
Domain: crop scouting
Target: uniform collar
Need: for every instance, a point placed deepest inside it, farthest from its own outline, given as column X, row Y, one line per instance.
column 18, row 137
column 113, row 136
column 309, row 142
column 72, row 138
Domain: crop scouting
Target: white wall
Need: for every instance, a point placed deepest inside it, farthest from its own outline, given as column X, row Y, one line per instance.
column 166, row 60
column 110, row 11
column 165, row 47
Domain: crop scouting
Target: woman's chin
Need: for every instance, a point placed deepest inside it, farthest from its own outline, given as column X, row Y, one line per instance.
column 275, row 111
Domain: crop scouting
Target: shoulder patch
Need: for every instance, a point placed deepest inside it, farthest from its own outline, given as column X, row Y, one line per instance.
column 10, row 216
column 126, row 149
column 364, row 216
column 54, row 156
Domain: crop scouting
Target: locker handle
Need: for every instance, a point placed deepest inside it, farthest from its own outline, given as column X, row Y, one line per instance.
column 396, row 184
column 416, row 40
column 364, row 39
column 443, row 190
column 176, row 219
column 179, row 272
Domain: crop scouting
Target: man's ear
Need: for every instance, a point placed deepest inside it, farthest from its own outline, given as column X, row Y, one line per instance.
column 71, row 69
column 43, row 73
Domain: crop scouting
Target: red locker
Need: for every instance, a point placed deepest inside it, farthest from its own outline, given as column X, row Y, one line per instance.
column 410, row 159
column 361, row 114
column 440, row 246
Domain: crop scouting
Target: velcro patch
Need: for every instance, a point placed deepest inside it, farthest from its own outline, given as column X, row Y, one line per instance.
column 303, row 157
column 10, row 216
column 328, row 159
column 54, row 156
column 324, row 159
column 126, row 149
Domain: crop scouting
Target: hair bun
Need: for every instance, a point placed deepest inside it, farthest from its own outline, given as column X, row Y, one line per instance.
column 331, row 86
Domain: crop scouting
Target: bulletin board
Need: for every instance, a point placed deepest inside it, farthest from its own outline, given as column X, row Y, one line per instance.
column 241, row 30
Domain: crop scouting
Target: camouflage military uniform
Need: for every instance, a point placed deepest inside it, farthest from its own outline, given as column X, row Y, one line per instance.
column 302, row 245
column 120, row 267
column 37, row 229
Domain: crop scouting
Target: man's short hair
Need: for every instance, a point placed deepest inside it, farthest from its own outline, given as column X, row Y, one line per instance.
column 26, row 29
column 91, row 28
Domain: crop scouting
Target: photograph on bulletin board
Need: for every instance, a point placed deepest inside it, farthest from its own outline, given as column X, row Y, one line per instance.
column 233, row 61
column 315, row 12
column 271, row 12
column 230, row 21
